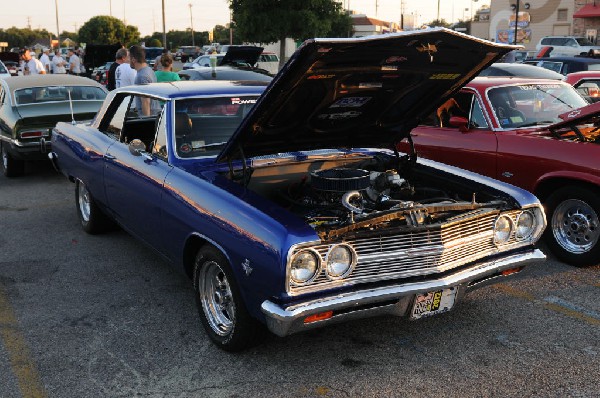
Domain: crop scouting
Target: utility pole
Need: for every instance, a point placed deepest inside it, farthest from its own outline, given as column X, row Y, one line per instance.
column 57, row 29
column 110, row 7
column 438, row 17
column 191, row 24
column 164, row 25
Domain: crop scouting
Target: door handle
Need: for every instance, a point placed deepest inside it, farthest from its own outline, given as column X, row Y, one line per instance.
column 109, row 156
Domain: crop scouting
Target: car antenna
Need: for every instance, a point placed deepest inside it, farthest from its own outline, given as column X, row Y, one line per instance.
column 73, row 122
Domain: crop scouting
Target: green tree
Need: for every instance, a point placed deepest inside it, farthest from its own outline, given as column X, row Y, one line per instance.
column 108, row 30
column 267, row 21
column 439, row 22
column 154, row 43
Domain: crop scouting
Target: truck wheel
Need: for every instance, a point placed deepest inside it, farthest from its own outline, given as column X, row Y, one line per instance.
column 574, row 225
column 92, row 219
column 12, row 167
column 222, row 311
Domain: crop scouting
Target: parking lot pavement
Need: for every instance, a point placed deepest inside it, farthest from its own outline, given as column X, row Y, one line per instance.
column 104, row 316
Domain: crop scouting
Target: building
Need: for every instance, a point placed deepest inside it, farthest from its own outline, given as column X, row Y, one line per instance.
column 539, row 19
column 366, row 26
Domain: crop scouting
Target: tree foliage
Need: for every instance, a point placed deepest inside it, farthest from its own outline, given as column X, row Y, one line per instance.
column 104, row 29
column 177, row 38
column 267, row 21
column 16, row 37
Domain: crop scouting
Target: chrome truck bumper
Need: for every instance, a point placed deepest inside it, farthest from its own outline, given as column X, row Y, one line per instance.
column 390, row 300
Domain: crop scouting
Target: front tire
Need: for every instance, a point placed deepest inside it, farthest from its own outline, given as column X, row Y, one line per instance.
column 12, row 167
column 222, row 311
column 92, row 219
column 573, row 232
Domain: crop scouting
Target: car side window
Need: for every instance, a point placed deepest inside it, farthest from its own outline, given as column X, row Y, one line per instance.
column 160, row 141
column 477, row 117
column 571, row 43
column 115, row 125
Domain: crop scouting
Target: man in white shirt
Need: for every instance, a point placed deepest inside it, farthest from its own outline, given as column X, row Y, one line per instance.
column 58, row 64
column 45, row 60
column 32, row 66
column 74, row 63
column 125, row 74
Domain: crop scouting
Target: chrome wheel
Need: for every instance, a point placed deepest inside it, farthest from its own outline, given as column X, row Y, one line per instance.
column 4, row 158
column 216, row 298
column 575, row 226
column 84, row 201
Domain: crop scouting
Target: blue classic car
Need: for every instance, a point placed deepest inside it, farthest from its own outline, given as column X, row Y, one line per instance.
column 286, row 204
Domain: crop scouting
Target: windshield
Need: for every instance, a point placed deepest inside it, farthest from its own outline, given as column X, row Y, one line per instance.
column 204, row 125
column 584, row 42
column 533, row 104
column 36, row 95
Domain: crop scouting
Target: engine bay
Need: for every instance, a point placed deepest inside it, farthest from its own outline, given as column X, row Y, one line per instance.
column 339, row 198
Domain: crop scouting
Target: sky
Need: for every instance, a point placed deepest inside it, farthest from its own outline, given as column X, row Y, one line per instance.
column 205, row 14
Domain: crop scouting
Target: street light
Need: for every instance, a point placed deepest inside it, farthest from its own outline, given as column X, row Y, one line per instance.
column 57, row 29
column 515, row 8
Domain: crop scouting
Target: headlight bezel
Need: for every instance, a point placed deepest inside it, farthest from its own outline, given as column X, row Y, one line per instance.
column 317, row 272
column 506, row 240
column 532, row 229
column 351, row 266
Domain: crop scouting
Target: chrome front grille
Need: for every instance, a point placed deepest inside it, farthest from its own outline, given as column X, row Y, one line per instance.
column 445, row 246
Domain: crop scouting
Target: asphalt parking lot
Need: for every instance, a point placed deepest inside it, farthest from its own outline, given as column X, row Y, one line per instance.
column 104, row 316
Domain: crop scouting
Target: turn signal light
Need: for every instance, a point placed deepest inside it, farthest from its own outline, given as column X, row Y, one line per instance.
column 321, row 316
column 511, row 271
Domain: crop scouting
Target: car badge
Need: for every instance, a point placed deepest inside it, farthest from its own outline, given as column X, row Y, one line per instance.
column 573, row 114
column 246, row 267
column 185, row 148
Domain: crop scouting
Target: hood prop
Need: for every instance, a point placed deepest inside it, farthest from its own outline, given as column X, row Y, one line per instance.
column 246, row 171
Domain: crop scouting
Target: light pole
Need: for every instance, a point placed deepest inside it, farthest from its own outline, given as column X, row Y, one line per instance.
column 191, row 24
column 515, row 8
column 110, row 7
column 57, row 29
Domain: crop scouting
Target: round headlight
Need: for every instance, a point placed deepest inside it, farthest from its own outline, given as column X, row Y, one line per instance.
column 305, row 265
column 502, row 229
column 525, row 225
column 340, row 261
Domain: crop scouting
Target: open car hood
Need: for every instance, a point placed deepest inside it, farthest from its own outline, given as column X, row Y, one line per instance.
column 364, row 92
column 241, row 54
column 577, row 116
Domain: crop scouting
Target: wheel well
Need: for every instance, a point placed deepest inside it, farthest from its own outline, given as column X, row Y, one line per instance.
column 547, row 187
column 193, row 244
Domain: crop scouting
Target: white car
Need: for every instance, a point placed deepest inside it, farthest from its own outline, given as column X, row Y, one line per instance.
column 566, row 46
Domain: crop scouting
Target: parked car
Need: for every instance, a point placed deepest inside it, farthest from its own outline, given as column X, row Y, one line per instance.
column 586, row 83
column 152, row 53
column 514, row 130
column 11, row 62
column 226, row 73
column 100, row 74
column 269, row 204
column 202, row 61
column 567, row 46
column 30, row 106
column 520, row 70
column 185, row 53
column 566, row 65
column 240, row 56
column 268, row 61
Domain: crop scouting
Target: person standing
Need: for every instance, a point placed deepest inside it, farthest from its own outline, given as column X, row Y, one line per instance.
column 58, row 63
column 74, row 63
column 145, row 75
column 124, row 74
column 166, row 74
column 111, row 80
column 31, row 66
column 157, row 65
column 45, row 60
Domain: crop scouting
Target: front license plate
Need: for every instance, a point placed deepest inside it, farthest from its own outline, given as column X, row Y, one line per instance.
column 433, row 303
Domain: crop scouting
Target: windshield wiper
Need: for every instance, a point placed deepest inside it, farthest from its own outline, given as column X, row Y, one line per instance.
column 540, row 123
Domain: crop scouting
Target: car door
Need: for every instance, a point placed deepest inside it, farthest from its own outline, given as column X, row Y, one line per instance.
column 134, row 181
column 473, row 149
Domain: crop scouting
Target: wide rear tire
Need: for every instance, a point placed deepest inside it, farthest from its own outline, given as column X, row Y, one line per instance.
column 92, row 219
column 12, row 167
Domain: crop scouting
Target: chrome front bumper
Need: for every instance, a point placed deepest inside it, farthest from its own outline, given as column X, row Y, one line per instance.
column 391, row 300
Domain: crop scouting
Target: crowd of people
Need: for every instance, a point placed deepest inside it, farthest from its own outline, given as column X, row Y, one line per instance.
column 130, row 66
column 31, row 65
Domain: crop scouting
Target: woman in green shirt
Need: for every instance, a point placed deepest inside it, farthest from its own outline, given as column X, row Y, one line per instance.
column 167, row 74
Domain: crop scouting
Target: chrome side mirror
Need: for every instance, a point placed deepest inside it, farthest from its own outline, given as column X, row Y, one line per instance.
column 136, row 147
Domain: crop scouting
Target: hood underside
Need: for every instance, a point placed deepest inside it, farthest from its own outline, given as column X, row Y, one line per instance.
column 359, row 93
column 241, row 55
